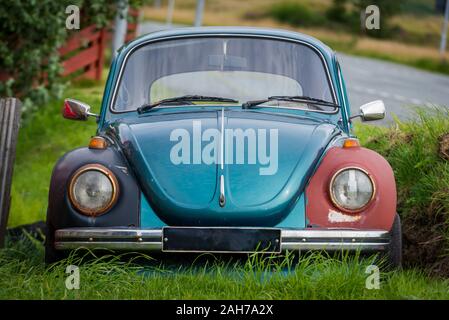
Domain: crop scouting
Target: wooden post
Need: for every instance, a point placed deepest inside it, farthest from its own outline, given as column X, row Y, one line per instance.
column 101, row 47
column 120, row 26
column 199, row 13
column 171, row 8
column 444, row 31
column 9, row 129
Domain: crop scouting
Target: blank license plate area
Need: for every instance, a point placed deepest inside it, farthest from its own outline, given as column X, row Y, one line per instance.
column 188, row 239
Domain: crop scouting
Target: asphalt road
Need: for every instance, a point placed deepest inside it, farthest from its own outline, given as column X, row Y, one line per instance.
column 401, row 88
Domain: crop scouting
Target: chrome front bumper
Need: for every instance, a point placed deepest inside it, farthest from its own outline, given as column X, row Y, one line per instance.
column 291, row 239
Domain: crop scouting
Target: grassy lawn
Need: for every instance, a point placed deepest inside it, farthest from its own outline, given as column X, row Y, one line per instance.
column 411, row 148
column 44, row 137
column 24, row 276
column 416, row 44
column 418, row 152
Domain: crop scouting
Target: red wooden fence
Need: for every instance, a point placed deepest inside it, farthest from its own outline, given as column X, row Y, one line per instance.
column 83, row 54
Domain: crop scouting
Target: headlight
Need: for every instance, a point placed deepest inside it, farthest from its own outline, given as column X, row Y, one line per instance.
column 351, row 189
column 93, row 189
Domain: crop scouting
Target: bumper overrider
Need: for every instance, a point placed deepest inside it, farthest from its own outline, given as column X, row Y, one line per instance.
column 221, row 239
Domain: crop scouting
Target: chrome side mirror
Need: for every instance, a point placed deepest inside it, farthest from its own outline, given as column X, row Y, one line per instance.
column 76, row 110
column 371, row 111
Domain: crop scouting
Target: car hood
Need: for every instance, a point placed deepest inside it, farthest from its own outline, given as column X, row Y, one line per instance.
column 184, row 164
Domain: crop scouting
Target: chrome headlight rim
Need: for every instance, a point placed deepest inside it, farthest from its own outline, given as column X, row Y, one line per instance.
column 331, row 193
column 115, row 189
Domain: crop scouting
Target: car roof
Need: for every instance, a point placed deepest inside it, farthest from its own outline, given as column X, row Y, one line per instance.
column 261, row 32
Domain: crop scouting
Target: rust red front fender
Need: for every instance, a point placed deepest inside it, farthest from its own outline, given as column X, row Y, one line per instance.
column 380, row 212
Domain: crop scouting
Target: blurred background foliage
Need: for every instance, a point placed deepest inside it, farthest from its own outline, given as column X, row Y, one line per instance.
column 31, row 31
column 410, row 30
column 346, row 14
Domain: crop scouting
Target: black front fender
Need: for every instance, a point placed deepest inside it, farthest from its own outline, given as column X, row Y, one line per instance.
column 126, row 211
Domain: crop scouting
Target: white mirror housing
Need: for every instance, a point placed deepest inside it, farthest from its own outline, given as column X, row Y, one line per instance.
column 371, row 111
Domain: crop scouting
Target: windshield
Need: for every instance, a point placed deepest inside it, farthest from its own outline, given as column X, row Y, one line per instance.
column 232, row 67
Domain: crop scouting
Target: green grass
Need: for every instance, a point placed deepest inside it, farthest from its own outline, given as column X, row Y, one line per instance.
column 316, row 276
column 45, row 136
column 422, row 179
column 412, row 149
column 350, row 47
column 423, row 184
column 433, row 65
column 296, row 14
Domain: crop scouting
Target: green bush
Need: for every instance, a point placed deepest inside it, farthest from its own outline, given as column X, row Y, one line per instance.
column 337, row 12
column 295, row 14
column 422, row 178
column 387, row 8
column 342, row 14
column 30, row 33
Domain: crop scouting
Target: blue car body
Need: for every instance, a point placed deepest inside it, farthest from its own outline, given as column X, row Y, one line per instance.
column 202, row 206
column 155, row 194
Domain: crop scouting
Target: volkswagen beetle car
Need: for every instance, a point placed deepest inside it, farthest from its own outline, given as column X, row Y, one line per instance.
column 224, row 140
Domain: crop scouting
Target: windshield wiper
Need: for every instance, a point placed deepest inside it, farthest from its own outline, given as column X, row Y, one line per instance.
column 305, row 99
column 181, row 99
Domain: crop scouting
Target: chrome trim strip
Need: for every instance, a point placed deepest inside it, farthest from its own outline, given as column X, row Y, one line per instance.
column 291, row 239
column 224, row 34
column 334, row 233
column 330, row 246
column 116, row 233
column 222, row 200
column 222, row 140
column 340, row 79
column 144, row 246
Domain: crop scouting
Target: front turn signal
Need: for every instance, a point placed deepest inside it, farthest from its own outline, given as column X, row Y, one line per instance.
column 98, row 143
column 351, row 143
